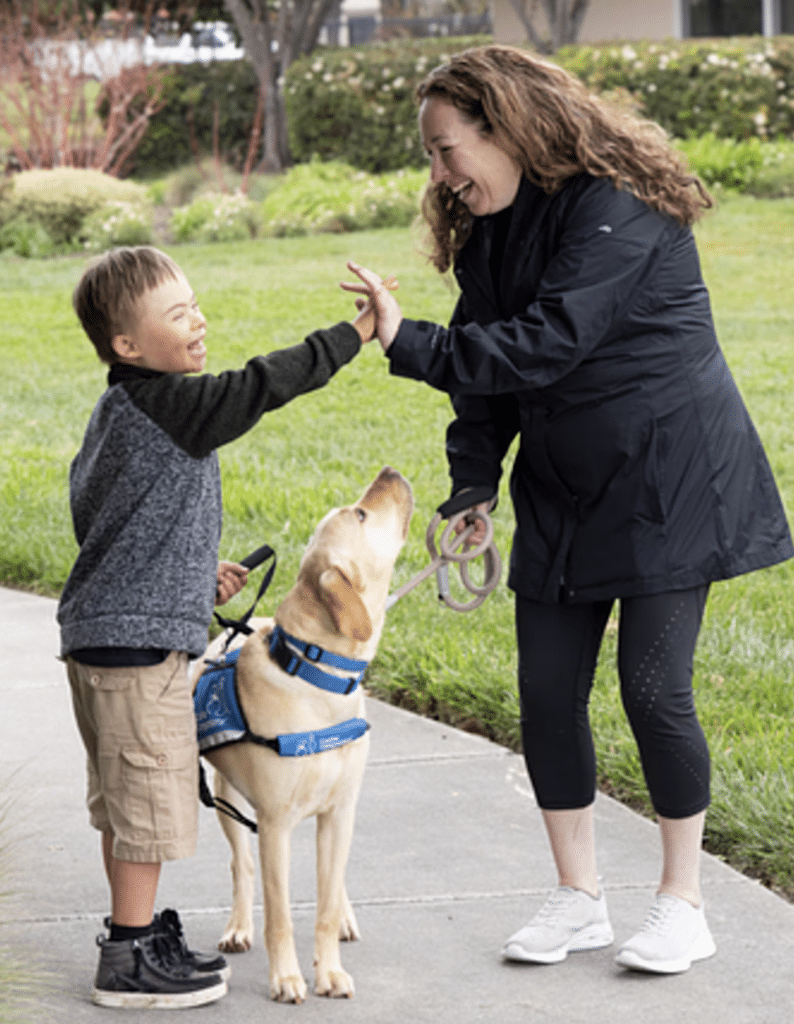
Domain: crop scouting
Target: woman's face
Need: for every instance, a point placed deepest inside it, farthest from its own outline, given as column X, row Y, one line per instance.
column 482, row 175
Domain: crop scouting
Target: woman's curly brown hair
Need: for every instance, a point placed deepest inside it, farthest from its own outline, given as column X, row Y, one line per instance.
column 554, row 128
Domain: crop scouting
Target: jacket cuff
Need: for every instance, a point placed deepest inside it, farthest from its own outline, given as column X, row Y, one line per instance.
column 411, row 352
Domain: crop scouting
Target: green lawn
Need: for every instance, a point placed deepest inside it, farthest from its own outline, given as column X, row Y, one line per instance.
column 322, row 449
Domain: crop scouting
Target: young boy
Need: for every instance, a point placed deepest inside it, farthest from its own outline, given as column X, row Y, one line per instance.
column 146, row 504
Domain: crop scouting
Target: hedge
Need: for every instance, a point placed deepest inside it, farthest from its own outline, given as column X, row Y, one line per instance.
column 192, row 94
column 733, row 88
column 357, row 104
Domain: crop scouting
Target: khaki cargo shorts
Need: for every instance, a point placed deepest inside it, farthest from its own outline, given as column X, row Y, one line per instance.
column 139, row 730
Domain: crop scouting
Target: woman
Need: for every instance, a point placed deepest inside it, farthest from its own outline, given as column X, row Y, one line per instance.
column 584, row 327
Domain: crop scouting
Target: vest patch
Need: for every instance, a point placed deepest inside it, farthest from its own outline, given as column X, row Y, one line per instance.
column 218, row 715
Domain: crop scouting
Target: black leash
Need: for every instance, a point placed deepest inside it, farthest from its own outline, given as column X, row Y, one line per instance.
column 251, row 561
column 219, row 804
column 237, row 626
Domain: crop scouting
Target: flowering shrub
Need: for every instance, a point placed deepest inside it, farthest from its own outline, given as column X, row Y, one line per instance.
column 334, row 197
column 117, row 224
column 731, row 88
column 61, row 200
column 216, row 218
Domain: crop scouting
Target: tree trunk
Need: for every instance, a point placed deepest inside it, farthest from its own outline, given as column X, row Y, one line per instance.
column 563, row 18
column 272, row 43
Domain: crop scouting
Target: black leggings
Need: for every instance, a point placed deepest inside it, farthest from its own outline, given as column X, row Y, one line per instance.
column 557, row 654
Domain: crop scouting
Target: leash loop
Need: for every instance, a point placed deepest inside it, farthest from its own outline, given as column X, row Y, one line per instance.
column 453, row 547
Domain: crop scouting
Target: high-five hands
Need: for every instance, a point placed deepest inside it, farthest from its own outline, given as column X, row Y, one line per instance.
column 379, row 312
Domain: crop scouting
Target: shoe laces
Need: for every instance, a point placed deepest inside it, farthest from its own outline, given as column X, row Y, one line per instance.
column 557, row 902
column 173, row 931
column 161, row 949
column 658, row 916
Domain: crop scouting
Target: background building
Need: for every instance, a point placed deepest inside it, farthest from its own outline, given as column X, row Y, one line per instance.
column 658, row 19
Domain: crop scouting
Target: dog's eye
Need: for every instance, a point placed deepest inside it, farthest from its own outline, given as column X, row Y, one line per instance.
column 362, row 515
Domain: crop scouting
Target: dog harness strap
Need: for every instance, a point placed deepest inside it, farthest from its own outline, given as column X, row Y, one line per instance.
column 304, row 665
column 299, row 744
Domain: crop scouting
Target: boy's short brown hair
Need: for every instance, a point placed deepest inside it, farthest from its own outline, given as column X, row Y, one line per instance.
column 111, row 285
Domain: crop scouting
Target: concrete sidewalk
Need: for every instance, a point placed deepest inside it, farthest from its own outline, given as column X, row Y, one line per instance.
column 449, row 859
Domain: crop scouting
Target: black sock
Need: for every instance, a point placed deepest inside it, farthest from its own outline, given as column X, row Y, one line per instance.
column 121, row 933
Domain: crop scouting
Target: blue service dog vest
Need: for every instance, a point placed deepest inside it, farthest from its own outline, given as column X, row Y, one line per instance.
column 220, row 719
column 218, row 715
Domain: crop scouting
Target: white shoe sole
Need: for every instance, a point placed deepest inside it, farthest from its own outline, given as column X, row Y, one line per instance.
column 702, row 948
column 595, row 936
column 158, row 1000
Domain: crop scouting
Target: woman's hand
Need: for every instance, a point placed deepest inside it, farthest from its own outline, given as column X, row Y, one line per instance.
column 385, row 306
column 480, row 529
column 231, row 580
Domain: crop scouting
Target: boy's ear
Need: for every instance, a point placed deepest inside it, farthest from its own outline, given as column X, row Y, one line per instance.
column 124, row 347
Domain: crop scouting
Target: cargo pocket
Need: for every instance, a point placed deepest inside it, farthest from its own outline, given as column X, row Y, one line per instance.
column 108, row 680
column 159, row 790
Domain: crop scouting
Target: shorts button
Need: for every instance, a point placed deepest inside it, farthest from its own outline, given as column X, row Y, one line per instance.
column 95, row 680
column 162, row 760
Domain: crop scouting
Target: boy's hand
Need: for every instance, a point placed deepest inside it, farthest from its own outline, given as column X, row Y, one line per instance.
column 231, row 580
column 373, row 312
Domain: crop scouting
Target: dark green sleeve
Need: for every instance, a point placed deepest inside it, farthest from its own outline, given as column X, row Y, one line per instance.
column 202, row 413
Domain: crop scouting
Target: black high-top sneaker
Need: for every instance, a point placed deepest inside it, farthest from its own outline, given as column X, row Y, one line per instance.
column 169, row 925
column 144, row 974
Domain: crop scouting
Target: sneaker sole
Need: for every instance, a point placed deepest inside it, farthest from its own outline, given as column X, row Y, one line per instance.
column 703, row 948
column 158, row 1000
column 594, row 937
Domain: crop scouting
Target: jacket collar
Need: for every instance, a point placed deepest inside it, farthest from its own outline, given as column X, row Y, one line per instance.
column 473, row 260
column 120, row 372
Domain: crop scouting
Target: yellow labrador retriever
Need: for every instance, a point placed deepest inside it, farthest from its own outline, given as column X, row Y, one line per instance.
column 298, row 690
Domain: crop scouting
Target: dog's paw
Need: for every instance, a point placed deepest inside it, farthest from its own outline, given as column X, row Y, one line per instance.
column 291, row 989
column 337, row 984
column 348, row 926
column 235, row 940
column 348, row 930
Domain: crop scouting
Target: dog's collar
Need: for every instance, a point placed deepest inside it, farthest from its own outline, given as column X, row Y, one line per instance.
column 303, row 662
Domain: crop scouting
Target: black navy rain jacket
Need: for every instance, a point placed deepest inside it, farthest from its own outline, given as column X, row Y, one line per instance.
column 639, row 470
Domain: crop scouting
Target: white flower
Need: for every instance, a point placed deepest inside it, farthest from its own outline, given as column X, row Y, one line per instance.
column 628, row 53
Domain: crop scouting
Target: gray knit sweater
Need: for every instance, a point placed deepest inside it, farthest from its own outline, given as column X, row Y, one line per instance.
column 145, row 493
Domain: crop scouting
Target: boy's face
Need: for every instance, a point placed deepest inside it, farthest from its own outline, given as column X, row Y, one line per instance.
column 166, row 331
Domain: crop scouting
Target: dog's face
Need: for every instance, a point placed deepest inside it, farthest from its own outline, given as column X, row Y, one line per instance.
column 348, row 562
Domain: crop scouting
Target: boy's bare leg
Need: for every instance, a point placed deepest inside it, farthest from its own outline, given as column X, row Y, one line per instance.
column 133, row 888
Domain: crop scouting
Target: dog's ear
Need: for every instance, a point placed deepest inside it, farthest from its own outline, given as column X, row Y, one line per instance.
column 344, row 605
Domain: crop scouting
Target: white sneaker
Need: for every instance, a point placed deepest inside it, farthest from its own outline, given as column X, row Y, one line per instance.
column 570, row 920
column 673, row 935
